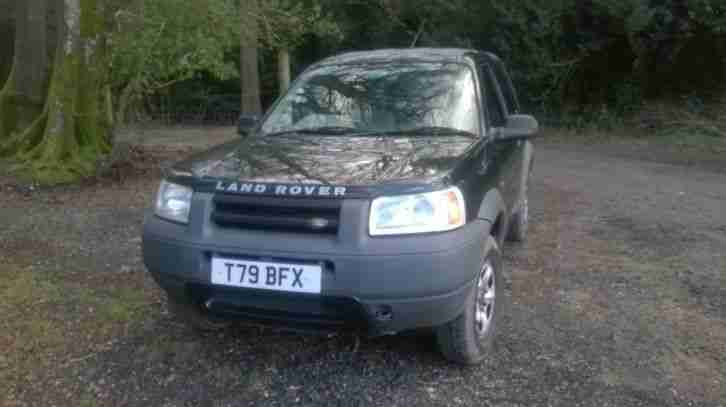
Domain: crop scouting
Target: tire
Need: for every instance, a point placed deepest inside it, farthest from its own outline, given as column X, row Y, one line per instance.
column 467, row 340
column 193, row 316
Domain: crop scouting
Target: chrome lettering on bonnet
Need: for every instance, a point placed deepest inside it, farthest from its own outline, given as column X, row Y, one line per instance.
column 281, row 190
column 245, row 188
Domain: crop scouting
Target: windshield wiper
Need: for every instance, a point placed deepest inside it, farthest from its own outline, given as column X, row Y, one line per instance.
column 324, row 130
column 342, row 130
column 423, row 131
column 429, row 131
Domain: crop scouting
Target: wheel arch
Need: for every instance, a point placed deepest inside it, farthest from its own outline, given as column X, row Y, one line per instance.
column 528, row 163
column 526, row 171
column 494, row 210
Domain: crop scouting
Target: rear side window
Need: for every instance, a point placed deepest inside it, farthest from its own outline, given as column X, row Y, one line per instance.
column 497, row 114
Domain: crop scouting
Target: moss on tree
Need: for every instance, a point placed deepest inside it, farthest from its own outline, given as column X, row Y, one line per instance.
column 8, row 119
column 69, row 134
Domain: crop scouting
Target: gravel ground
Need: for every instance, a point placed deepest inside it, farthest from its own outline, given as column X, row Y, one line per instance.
column 617, row 299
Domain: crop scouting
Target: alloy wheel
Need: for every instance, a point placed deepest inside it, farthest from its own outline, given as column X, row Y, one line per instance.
column 485, row 299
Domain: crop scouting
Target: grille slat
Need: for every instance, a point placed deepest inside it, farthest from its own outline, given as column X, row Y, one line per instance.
column 302, row 215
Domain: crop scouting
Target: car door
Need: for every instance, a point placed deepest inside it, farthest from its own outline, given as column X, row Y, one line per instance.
column 500, row 154
column 511, row 101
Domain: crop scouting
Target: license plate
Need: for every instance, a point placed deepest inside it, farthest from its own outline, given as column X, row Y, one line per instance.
column 298, row 278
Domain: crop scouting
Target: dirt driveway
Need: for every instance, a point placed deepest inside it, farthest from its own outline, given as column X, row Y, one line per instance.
column 617, row 300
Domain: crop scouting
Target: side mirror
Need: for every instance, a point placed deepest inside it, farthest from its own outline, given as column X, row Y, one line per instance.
column 246, row 124
column 520, row 126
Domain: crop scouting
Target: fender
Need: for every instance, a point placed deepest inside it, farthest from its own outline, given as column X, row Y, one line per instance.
column 527, row 166
column 528, row 156
column 492, row 206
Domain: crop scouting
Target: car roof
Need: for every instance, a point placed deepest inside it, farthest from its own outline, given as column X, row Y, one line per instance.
column 399, row 55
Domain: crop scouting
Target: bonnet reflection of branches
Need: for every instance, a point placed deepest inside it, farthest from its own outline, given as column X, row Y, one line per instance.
column 380, row 97
column 305, row 159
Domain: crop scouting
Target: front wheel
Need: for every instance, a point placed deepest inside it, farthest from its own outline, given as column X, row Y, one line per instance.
column 467, row 339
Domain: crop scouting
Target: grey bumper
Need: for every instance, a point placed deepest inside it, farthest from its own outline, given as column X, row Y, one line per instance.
column 388, row 284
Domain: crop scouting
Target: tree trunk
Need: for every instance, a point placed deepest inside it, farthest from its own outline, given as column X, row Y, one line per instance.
column 67, row 139
column 249, row 68
column 23, row 95
column 124, row 102
column 283, row 70
column 7, row 38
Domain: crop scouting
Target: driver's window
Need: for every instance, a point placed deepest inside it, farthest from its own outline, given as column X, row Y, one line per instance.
column 495, row 108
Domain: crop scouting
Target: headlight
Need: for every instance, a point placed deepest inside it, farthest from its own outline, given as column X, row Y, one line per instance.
column 173, row 202
column 438, row 211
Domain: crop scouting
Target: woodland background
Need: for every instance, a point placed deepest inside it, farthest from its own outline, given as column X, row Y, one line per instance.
column 74, row 71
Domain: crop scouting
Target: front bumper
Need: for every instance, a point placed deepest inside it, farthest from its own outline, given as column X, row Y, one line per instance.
column 416, row 282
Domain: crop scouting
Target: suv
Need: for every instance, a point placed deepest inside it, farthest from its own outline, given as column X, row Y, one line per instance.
column 374, row 195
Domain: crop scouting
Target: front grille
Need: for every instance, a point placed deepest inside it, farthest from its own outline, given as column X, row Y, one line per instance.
column 301, row 215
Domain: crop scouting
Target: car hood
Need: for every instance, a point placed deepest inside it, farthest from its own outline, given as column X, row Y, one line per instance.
column 332, row 160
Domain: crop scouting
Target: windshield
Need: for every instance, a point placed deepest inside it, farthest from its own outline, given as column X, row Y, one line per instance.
column 379, row 98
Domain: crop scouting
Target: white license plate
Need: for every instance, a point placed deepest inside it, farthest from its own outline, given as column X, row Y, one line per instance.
column 298, row 278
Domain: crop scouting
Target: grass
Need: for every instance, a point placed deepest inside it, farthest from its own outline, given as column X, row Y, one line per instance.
column 677, row 137
column 49, row 323
column 686, row 133
column 676, row 146
column 692, row 139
